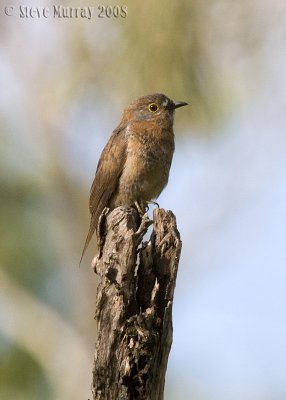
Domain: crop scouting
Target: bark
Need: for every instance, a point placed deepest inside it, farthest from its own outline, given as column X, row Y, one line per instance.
column 134, row 305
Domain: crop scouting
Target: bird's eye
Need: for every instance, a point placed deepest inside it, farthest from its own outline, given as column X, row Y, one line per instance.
column 153, row 107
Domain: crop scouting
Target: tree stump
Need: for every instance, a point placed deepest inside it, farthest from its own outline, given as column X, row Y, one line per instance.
column 134, row 305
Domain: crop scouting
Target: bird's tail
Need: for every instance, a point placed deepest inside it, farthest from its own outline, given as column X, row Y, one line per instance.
column 91, row 230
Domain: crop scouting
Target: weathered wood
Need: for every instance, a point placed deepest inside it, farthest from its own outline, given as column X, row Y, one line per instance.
column 134, row 305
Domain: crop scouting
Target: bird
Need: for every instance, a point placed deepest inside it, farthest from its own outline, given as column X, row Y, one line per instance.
column 134, row 166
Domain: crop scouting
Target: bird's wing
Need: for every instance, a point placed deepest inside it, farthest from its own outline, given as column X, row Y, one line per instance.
column 109, row 169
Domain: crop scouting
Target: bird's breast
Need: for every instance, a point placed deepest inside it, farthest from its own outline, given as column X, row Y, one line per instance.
column 147, row 165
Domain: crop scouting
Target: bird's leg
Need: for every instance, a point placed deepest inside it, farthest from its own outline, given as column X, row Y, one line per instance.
column 141, row 207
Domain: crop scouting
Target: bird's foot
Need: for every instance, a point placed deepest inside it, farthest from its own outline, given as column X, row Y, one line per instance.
column 141, row 207
column 144, row 225
column 153, row 202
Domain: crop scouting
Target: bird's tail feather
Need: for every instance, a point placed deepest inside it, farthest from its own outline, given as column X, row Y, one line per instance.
column 91, row 230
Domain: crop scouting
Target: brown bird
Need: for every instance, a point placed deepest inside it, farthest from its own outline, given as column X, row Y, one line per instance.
column 134, row 166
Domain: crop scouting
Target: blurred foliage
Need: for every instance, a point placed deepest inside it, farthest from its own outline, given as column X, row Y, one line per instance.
column 155, row 49
column 184, row 50
column 170, row 53
column 27, row 380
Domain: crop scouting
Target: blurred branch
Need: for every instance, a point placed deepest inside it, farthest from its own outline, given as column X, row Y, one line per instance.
column 54, row 344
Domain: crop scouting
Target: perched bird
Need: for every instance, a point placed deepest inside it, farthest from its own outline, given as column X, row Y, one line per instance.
column 134, row 166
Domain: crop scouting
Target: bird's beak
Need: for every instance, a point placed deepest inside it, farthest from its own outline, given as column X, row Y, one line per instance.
column 178, row 104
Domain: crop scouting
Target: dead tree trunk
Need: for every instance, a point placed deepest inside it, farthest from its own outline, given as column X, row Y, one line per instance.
column 134, row 306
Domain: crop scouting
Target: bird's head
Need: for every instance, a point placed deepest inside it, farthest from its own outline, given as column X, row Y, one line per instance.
column 153, row 107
